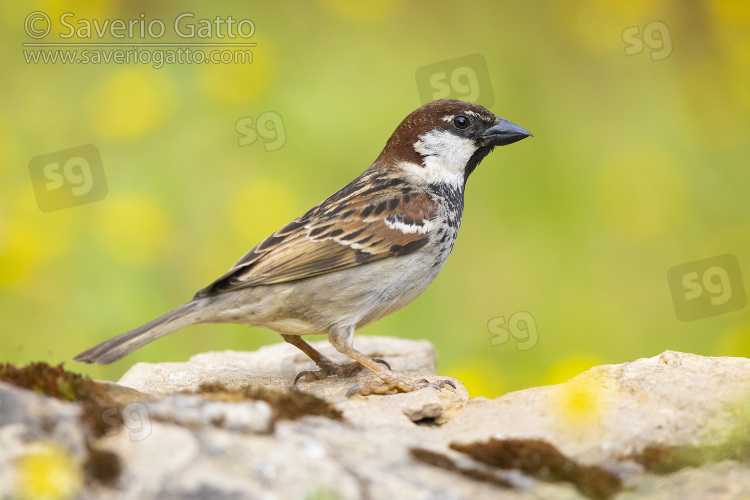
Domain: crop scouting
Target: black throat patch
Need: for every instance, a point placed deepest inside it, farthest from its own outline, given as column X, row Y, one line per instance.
column 477, row 157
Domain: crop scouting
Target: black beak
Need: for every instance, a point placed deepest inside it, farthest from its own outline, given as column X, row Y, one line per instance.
column 503, row 133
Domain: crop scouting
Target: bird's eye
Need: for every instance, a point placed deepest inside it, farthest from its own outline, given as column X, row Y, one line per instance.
column 461, row 121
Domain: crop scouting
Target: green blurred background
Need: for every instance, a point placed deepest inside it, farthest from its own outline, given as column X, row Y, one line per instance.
column 639, row 163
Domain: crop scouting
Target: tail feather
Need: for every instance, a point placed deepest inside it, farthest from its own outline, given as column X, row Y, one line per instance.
column 122, row 345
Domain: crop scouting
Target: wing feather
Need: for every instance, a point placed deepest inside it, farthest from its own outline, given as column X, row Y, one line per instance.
column 372, row 218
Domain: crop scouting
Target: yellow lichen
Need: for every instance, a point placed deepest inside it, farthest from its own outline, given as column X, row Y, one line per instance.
column 47, row 472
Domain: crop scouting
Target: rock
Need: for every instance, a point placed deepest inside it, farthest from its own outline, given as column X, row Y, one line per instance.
column 226, row 425
column 276, row 366
column 195, row 411
column 32, row 425
column 611, row 410
column 726, row 480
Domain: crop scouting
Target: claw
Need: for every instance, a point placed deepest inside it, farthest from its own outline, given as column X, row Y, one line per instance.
column 328, row 369
column 300, row 375
column 382, row 362
column 353, row 390
column 427, row 383
column 447, row 382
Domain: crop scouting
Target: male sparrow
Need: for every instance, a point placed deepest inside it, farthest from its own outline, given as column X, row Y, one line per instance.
column 364, row 252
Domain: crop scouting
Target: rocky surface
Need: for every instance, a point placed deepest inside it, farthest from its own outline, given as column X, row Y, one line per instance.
column 227, row 425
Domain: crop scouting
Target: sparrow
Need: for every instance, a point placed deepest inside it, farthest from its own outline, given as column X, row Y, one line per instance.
column 361, row 254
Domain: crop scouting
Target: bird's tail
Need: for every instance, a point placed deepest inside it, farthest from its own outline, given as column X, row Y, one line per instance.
column 122, row 345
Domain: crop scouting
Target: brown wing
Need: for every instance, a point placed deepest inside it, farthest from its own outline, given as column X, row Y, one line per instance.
column 374, row 217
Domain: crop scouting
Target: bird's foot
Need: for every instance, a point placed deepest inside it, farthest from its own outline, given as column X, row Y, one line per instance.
column 328, row 368
column 397, row 385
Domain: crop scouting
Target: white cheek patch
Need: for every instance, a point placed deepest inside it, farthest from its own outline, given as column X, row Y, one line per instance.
column 445, row 157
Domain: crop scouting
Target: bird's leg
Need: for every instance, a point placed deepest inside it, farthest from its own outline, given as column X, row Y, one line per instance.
column 341, row 339
column 325, row 365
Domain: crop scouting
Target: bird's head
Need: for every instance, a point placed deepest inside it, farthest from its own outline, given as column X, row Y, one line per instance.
column 444, row 141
